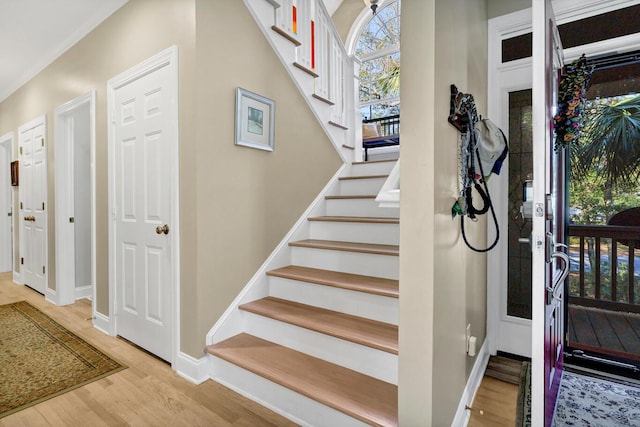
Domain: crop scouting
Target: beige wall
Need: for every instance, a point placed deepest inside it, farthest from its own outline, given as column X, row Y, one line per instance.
column 502, row 7
column 442, row 283
column 236, row 203
column 247, row 199
column 345, row 15
column 135, row 32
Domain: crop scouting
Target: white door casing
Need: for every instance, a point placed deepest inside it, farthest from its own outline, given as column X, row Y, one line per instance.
column 506, row 333
column 32, row 154
column 74, row 132
column 6, row 203
column 143, row 201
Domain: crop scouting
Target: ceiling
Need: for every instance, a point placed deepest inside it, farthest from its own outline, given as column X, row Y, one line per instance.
column 33, row 33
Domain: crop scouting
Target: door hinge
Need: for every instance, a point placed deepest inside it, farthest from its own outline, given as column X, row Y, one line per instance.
column 21, row 260
column 21, row 205
column 10, row 214
column 42, row 141
column 43, row 270
column 42, row 205
column 72, row 219
column 20, row 150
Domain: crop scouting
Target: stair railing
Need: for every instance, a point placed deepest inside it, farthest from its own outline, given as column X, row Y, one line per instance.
column 305, row 39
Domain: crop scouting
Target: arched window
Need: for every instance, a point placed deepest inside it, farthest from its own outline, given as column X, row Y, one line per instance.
column 378, row 48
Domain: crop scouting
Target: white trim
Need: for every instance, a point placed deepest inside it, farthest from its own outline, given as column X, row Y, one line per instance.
column 191, row 369
column 166, row 58
column 463, row 414
column 8, row 140
column 572, row 10
column 16, row 278
column 66, row 287
column 85, row 292
column 362, row 19
column 102, row 323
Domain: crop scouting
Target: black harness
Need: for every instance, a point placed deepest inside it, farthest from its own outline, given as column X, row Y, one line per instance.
column 464, row 117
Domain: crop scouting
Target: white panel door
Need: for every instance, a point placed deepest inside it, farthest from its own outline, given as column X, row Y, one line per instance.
column 33, row 199
column 142, row 139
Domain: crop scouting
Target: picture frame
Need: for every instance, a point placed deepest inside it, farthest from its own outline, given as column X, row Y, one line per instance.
column 255, row 120
column 14, row 173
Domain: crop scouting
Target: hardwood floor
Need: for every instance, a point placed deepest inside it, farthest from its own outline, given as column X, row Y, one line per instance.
column 147, row 393
column 494, row 404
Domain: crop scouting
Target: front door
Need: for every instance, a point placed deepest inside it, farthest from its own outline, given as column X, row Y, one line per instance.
column 32, row 155
column 143, row 141
column 549, row 259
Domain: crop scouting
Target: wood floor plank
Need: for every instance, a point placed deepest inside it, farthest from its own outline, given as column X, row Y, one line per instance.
column 582, row 326
column 354, row 282
column 604, row 332
column 625, row 333
column 370, row 333
column 147, row 393
column 494, row 404
column 365, row 398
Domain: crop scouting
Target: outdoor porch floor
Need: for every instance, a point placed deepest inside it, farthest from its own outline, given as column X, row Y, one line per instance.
column 607, row 332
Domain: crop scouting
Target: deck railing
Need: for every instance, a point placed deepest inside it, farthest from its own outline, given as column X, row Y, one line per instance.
column 605, row 267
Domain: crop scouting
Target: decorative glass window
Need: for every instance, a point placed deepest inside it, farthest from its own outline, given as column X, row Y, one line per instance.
column 378, row 48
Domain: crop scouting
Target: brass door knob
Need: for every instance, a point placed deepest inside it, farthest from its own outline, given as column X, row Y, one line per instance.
column 162, row 229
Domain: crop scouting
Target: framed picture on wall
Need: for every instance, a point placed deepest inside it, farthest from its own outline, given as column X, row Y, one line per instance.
column 255, row 120
column 14, row 173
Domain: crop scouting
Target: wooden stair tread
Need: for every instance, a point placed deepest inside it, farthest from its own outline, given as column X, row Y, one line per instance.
column 353, row 177
column 363, row 219
column 367, row 332
column 369, row 248
column 345, row 197
column 374, row 161
column 354, row 282
column 365, row 398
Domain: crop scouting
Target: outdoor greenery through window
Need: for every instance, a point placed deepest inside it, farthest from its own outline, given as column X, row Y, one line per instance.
column 605, row 179
column 378, row 48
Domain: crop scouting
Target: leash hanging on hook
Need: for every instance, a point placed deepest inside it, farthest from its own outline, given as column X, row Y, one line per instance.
column 483, row 148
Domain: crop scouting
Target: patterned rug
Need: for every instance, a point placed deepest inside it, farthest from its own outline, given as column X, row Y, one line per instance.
column 523, row 409
column 40, row 359
column 592, row 402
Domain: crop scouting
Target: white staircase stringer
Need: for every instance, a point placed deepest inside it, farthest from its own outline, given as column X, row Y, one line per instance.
column 263, row 13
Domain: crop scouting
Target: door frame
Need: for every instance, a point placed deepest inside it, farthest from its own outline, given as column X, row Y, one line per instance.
column 166, row 58
column 6, row 143
column 499, row 85
column 64, row 174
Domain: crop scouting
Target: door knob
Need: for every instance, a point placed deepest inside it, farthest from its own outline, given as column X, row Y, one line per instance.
column 164, row 229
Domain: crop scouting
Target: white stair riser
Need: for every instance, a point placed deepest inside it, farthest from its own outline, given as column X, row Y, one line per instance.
column 374, row 363
column 352, row 187
column 360, row 232
column 359, row 207
column 371, row 168
column 361, row 304
column 298, row 408
column 385, row 266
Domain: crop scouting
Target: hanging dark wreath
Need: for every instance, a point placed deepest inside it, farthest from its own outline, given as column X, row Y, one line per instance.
column 569, row 120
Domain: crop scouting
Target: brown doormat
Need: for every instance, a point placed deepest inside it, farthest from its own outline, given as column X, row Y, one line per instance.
column 40, row 359
column 523, row 409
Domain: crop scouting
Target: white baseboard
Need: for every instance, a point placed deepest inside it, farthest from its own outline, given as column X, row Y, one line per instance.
column 84, row 292
column 16, row 278
column 473, row 383
column 192, row 369
column 102, row 323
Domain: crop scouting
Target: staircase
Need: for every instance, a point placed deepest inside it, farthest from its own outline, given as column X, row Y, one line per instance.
column 318, row 340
